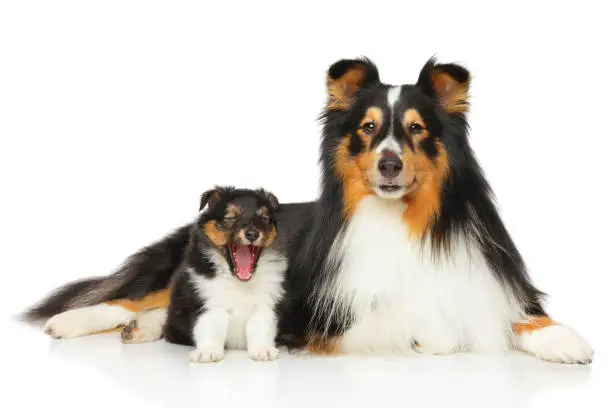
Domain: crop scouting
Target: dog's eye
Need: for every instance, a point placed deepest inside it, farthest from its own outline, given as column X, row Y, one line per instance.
column 416, row 127
column 230, row 220
column 369, row 127
column 264, row 218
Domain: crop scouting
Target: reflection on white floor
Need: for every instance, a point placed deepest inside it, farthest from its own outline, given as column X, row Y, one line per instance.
column 94, row 371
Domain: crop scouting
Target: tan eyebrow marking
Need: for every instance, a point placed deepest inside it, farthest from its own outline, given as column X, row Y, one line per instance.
column 233, row 211
column 413, row 116
column 372, row 114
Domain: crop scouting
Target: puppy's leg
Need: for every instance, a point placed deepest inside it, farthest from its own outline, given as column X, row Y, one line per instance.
column 260, row 334
column 87, row 320
column 550, row 341
column 147, row 326
column 209, row 334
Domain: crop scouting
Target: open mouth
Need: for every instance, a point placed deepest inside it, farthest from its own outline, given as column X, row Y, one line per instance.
column 243, row 259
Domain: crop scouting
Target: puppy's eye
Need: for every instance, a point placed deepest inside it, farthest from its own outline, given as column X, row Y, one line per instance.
column 369, row 127
column 230, row 220
column 416, row 127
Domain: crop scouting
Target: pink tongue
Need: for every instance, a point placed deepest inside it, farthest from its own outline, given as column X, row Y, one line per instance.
column 244, row 262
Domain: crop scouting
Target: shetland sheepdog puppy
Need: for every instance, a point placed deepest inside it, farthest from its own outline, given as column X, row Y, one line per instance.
column 406, row 251
column 225, row 293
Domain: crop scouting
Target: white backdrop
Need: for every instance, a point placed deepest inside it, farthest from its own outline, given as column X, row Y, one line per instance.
column 116, row 115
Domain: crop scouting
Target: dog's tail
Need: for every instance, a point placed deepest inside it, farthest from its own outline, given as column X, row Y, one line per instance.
column 147, row 271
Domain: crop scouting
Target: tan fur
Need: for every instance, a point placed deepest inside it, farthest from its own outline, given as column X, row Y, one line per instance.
column 271, row 237
column 353, row 172
column 262, row 212
column 373, row 114
column 452, row 94
column 423, row 204
column 342, row 90
column 218, row 237
column 153, row 300
column 533, row 324
column 410, row 117
column 233, row 211
column 323, row 346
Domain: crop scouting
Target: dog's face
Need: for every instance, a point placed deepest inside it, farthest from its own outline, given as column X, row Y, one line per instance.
column 390, row 141
column 241, row 224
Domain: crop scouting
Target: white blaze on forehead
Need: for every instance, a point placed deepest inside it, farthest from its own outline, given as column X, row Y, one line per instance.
column 393, row 95
column 389, row 143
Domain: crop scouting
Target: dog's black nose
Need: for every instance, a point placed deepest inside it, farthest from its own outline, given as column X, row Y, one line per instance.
column 251, row 235
column 390, row 165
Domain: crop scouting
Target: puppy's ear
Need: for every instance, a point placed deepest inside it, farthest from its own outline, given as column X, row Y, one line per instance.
column 210, row 198
column 271, row 198
column 347, row 77
column 448, row 83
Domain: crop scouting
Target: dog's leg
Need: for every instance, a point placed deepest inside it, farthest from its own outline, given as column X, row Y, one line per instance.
column 87, row 320
column 146, row 327
column 209, row 334
column 260, row 334
column 103, row 316
column 551, row 341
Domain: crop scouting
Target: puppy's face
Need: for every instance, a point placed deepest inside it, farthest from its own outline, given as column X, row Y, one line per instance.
column 241, row 224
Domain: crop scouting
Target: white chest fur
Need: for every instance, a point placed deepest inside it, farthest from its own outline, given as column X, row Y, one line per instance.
column 241, row 299
column 398, row 293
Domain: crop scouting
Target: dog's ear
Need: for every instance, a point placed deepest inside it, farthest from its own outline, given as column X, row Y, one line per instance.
column 448, row 83
column 209, row 198
column 347, row 77
column 271, row 198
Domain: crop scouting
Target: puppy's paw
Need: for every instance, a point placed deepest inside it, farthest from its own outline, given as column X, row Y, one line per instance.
column 558, row 344
column 207, row 355
column 263, row 353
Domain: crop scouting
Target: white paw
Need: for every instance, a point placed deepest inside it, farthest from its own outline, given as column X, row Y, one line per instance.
column 434, row 348
column 263, row 353
column 134, row 333
column 559, row 344
column 434, row 342
column 207, row 355
column 65, row 325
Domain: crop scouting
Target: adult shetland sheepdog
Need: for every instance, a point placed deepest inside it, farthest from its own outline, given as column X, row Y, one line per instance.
column 404, row 251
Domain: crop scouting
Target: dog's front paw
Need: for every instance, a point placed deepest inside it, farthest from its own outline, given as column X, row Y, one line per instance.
column 557, row 343
column 263, row 353
column 431, row 347
column 133, row 334
column 207, row 355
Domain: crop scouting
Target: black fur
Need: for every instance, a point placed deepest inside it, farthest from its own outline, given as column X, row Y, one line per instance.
column 61, row 299
column 185, row 306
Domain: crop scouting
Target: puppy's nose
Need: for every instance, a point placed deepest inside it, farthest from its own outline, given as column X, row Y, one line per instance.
column 251, row 235
column 389, row 164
